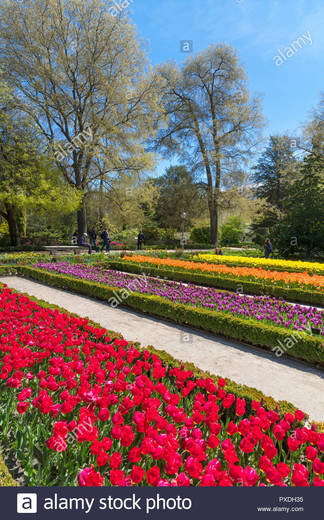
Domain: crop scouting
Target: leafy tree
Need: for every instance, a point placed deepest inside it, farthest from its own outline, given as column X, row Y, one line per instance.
column 274, row 170
column 83, row 78
column 302, row 229
column 127, row 202
column 27, row 178
column 178, row 194
column 313, row 135
column 213, row 122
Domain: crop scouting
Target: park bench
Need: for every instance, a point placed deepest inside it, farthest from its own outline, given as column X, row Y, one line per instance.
column 54, row 250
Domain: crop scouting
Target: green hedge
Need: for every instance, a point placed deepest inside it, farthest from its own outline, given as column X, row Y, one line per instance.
column 307, row 348
column 222, row 282
column 248, row 393
column 7, row 270
column 21, row 249
column 5, row 477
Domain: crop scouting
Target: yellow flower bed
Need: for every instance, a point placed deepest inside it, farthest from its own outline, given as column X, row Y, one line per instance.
column 251, row 273
column 269, row 263
column 23, row 257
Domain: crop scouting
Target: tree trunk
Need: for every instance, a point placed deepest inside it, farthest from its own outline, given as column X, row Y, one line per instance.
column 82, row 218
column 101, row 202
column 21, row 217
column 24, row 222
column 82, row 211
column 212, row 200
column 13, row 226
column 213, row 218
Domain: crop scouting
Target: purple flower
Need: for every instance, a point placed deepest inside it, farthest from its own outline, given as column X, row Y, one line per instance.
column 260, row 308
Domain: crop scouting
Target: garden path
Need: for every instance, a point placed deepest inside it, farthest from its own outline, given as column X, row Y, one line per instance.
column 283, row 379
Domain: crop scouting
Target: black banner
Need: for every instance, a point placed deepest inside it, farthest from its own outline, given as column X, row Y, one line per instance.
column 158, row 503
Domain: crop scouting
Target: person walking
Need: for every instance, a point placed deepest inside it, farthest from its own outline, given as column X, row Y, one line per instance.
column 140, row 240
column 106, row 240
column 93, row 239
column 267, row 248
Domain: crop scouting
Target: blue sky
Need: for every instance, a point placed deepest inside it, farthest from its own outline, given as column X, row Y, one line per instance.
column 257, row 29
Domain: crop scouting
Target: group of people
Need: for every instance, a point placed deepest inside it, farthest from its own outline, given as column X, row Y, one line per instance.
column 82, row 240
column 91, row 243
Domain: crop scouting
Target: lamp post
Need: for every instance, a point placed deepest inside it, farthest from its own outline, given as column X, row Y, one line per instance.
column 183, row 215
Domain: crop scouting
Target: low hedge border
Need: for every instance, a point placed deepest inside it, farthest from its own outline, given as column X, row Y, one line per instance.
column 307, row 348
column 21, row 249
column 5, row 477
column 222, row 282
column 8, row 270
column 248, row 393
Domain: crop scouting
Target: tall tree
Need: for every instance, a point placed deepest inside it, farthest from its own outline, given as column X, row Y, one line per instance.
column 274, row 169
column 273, row 174
column 313, row 135
column 27, row 178
column 178, row 194
column 213, row 121
column 302, row 228
column 82, row 77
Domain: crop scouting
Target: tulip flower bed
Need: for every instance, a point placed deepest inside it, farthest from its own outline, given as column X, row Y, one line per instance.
column 23, row 258
column 266, row 309
column 257, row 330
column 267, row 263
column 79, row 407
column 284, row 278
column 241, row 280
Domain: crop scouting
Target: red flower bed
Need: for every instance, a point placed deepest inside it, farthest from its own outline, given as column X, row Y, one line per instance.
column 100, row 411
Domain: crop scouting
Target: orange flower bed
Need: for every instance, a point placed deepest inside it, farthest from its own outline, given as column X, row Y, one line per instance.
column 299, row 279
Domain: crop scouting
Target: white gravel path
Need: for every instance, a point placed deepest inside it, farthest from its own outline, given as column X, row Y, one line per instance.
column 282, row 379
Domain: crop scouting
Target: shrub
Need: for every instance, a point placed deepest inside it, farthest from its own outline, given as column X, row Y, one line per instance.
column 200, row 235
column 232, row 231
